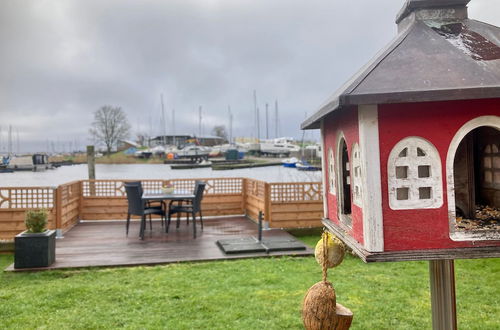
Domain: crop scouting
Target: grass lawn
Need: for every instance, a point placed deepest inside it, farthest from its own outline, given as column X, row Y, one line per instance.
column 244, row 294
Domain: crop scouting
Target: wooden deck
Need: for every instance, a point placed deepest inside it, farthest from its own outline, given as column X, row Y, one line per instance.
column 104, row 243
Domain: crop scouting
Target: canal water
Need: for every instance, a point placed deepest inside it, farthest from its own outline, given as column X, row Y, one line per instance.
column 66, row 174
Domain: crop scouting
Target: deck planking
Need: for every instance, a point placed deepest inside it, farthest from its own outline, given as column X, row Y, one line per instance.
column 104, row 243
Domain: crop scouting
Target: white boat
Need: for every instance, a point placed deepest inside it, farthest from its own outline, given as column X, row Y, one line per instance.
column 35, row 162
column 290, row 162
column 279, row 146
column 194, row 152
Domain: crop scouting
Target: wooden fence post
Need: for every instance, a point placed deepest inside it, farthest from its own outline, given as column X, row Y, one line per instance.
column 91, row 167
column 267, row 204
column 58, row 207
column 80, row 202
column 244, row 195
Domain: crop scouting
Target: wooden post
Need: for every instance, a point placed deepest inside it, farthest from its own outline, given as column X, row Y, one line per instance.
column 58, row 207
column 267, row 205
column 91, row 162
column 91, row 166
column 80, row 202
column 244, row 196
column 442, row 285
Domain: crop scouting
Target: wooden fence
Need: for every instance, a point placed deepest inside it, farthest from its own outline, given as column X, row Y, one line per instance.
column 285, row 205
column 14, row 202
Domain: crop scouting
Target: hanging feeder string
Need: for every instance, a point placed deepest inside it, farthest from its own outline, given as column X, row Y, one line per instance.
column 324, row 236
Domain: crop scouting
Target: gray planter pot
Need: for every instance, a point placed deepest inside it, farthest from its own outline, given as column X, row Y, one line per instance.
column 35, row 250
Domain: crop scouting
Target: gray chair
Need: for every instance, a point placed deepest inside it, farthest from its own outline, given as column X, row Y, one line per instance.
column 151, row 204
column 192, row 208
column 136, row 206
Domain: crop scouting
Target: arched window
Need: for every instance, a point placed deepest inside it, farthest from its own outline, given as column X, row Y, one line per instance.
column 331, row 172
column 356, row 176
column 414, row 172
column 491, row 165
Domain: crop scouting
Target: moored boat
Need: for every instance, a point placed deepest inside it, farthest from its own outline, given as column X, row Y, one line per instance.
column 290, row 162
column 304, row 165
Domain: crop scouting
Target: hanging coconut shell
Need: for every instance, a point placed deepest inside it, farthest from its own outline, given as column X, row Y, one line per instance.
column 335, row 251
column 319, row 308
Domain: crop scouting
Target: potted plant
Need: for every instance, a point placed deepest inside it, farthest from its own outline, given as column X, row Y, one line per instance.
column 36, row 246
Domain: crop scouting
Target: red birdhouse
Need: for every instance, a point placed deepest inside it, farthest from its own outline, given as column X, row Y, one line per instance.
column 411, row 143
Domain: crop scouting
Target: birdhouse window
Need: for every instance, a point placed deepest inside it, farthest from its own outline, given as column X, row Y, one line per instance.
column 414, row 172
column 331, row 172
column 356, row 174
column 344, row 181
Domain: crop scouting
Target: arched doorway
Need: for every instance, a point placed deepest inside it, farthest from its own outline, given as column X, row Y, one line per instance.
column 473, row 168
column 344, row 182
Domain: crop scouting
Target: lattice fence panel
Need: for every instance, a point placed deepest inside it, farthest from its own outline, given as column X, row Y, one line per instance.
column 293, row 192
column 27, row 198
column 116, row 188
column 213, row 187
column 103, row 188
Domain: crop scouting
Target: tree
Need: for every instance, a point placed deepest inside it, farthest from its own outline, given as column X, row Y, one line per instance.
column 109, row 126
column 220, row 131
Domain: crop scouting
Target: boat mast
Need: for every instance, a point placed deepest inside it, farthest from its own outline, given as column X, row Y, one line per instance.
column 173, row 126
column 162, row 121
column 276, row 119
column 199, row 121
column 230, row 124
column 257, row 119
column 267, row 121
column 18, row 146
column 10, row 141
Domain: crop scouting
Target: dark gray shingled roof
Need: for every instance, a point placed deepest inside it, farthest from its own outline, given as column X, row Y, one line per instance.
column 451, row 58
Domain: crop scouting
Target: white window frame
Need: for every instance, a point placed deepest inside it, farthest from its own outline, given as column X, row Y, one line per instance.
column 412, row 183
column 331, row 172
column 491, row 166
column 486, row 121
column 356, row 176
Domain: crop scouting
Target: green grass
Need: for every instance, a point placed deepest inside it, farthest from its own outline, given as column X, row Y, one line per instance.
column 243, row 294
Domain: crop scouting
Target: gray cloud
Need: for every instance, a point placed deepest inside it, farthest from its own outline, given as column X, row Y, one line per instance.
column 61, row 60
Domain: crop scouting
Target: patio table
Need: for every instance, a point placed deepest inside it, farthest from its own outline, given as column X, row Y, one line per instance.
column 179, row 196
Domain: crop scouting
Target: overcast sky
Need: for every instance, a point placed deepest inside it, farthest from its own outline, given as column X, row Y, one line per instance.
column 61, row 60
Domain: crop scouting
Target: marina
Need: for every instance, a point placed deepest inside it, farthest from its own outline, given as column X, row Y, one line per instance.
column 65, row 174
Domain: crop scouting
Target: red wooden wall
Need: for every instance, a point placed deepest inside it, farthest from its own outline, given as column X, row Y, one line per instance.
column 438, row 122
column 345, row 121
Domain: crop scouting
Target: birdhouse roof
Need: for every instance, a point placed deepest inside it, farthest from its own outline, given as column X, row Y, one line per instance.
column 439, row 54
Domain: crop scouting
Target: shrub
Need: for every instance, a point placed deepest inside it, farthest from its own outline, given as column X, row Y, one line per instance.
column 36, row 220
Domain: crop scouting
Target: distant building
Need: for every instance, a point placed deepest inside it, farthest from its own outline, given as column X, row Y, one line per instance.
column 126, row 144
column 181, row 140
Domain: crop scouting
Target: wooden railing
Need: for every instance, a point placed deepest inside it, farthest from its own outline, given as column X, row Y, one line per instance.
column 14, row 202
column 295, row 205
column 285, row 205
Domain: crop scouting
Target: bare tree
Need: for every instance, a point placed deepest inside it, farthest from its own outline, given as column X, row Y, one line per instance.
column 109, row 126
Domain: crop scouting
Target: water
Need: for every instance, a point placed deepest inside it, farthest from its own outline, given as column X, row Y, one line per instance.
column 66, row 174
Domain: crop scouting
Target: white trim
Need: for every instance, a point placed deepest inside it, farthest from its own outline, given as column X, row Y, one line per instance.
column 356, row 173
column 323, row 167
column 331, row 172
column 369, row 143
column 412, row 182
column 488, row 121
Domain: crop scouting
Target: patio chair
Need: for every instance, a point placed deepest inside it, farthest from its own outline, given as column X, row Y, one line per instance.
column 136, row 206
column 196, row 183
column 161, row 205
column 192, row 208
